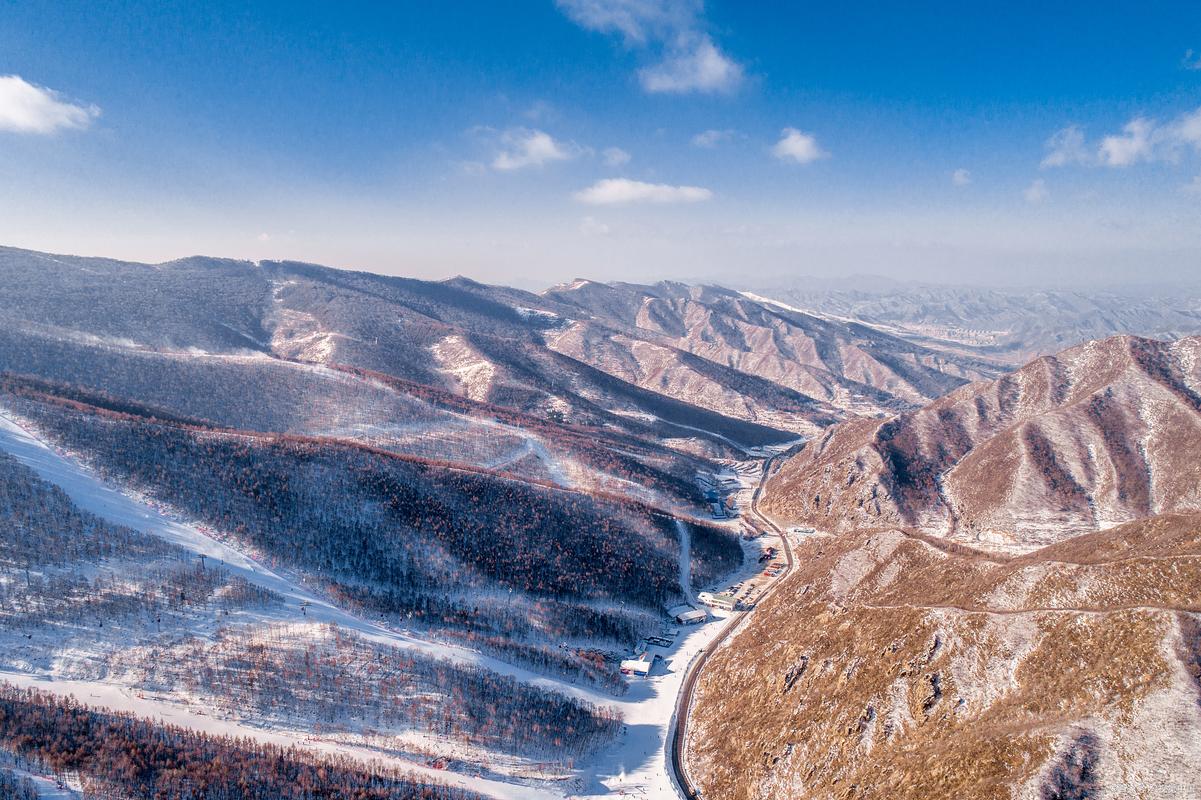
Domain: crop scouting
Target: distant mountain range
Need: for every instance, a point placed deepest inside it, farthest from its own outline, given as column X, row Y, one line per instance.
column 1013, row 325
column 666, row 361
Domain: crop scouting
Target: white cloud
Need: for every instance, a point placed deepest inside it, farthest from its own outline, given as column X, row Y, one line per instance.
column 1193, row 186
column 1066, row 146
column 1135, row 143
column 26, row 108
column 1036, row 192
column 696, row 65
column 797, row 146
column 590, row 226
column 638, row 21
column 622, row 191
column 531, row 148
column 1191, row 60
column 1142, row 139
column 712, row 138
column 615, row 156
column 961, row 177
column 673, row 31
column 1187, row 130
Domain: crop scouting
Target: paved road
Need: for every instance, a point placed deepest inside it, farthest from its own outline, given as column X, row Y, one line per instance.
column 678, row 735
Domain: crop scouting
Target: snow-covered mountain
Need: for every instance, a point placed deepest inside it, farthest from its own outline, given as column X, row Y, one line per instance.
column 269, row 523
column 1100, row 434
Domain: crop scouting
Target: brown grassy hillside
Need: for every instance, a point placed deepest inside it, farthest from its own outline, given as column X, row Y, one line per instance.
column 894, row 665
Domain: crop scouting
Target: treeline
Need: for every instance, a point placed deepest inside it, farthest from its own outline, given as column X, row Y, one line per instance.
column 16, row 787
column 327, row 679
column 617, row 454
column 121, row 756
column 515, row 615
column 39, row 525
column 586, row 664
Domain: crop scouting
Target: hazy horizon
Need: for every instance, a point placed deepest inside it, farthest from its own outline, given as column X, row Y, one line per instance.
column 865, row 282
column 628, row 140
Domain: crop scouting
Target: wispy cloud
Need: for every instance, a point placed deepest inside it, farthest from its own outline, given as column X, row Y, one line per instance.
column 1140, row 140
column 622, row 191
column 615, row 156
column 639, row 22
column 26, row 108
column 1191, row 60
column 1066, row 146
column 694, row 64
column 961, row 177
column 525, row 147
column 590, row 226
column 1036, row 192
column 1135, row 143
column 798, row 146
column 1144, row 139
column 712, row 137
column 1187, row 130
column 673, row 31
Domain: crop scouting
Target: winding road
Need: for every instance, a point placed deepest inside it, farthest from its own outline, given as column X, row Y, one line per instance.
column 677, row 737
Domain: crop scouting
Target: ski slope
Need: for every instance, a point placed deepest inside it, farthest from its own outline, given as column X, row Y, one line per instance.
column 635, row 765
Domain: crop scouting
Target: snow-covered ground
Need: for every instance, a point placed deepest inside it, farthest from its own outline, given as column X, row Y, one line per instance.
column 635, row 765
column 48, row 787
column 638, row 766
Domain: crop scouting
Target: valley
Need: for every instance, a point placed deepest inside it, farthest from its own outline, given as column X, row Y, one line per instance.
column 449, row 540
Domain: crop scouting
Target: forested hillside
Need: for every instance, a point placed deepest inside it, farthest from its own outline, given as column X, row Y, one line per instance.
column 84, row 599
column 508, row 563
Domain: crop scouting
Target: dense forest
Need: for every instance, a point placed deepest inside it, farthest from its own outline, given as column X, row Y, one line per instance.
column 368, row 518
column 384, row 528
column 41, row 526
column 67, row 569
column 70, row 581
column 121, row 756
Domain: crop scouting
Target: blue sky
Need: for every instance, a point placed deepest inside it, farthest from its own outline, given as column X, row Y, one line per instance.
column 531, row 142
